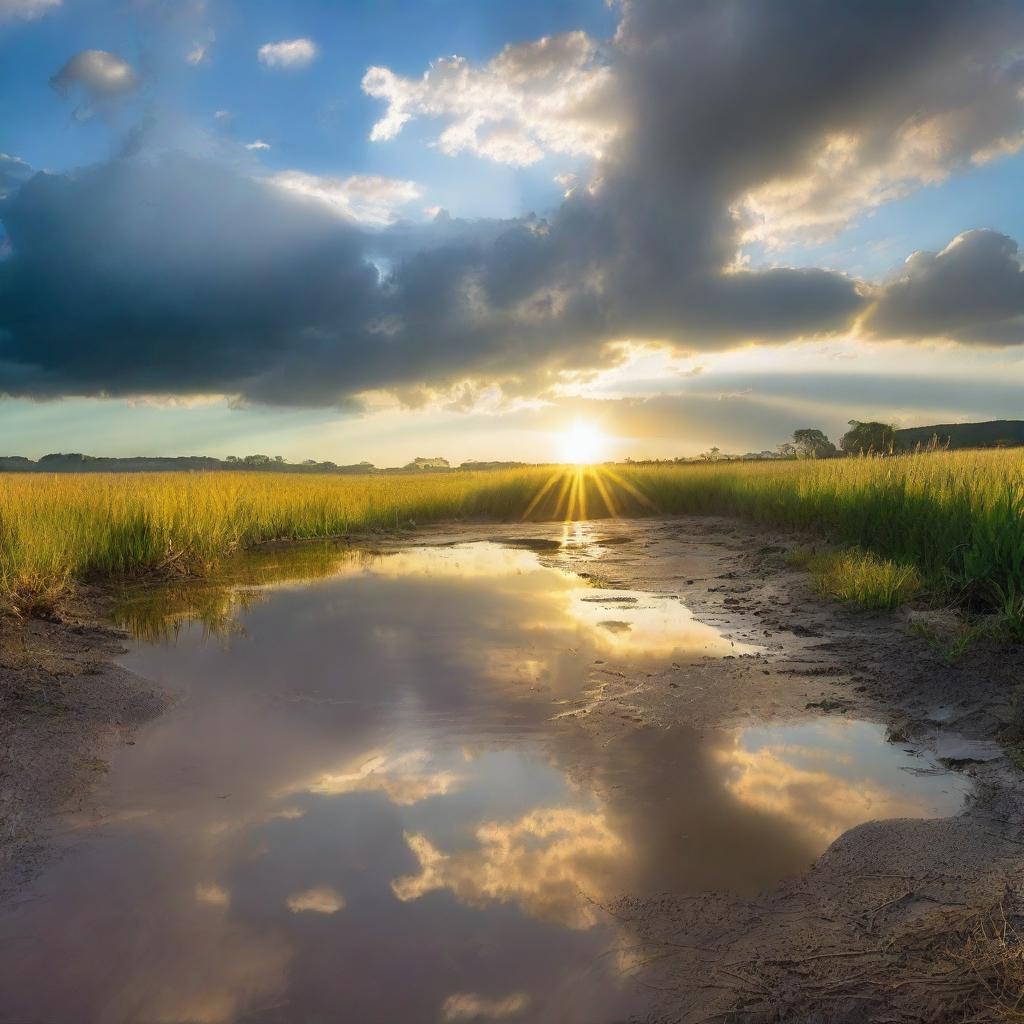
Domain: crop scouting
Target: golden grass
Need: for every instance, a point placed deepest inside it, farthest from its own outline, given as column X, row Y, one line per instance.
column 862, row 578
column 957, row 518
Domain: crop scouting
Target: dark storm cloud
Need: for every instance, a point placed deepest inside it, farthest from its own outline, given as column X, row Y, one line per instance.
column 972, row 291
column 170, row 274
column 175, row 275
column 179, row 275
column 725, row 95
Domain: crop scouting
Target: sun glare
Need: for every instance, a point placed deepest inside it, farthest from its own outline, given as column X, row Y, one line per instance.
column 583, row 444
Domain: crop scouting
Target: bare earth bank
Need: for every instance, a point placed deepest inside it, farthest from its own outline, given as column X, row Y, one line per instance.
column 64, row 705
column 898, row 921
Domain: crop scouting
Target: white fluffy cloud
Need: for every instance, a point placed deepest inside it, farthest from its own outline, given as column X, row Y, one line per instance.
column 552, row 95
column 257, row 144
column 289, row 53
column 27, row 10
column 367, row 198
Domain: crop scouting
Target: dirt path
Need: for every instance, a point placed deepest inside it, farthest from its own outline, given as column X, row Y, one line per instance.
column 898, row 921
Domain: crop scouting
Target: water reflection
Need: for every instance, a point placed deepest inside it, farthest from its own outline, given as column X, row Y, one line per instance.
column 612, row 621
column 361, row 809
column 825, row 777
column 548, row 862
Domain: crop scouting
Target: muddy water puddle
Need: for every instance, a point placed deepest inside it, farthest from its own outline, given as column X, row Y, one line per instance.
column 368, row 805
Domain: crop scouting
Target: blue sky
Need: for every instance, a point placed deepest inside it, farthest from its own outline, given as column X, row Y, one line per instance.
column 317, row 119
column 678, row 289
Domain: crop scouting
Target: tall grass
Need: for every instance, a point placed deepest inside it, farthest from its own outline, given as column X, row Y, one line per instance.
column 860, row 577
column 956, row 517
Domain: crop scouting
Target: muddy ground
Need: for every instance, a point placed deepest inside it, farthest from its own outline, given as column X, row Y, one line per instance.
column 63, row 707
column 899, row 921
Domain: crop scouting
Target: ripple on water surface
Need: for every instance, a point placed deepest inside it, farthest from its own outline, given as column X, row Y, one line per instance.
column 361, row 811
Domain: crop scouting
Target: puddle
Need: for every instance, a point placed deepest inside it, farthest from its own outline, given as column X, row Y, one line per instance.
column 363, row 810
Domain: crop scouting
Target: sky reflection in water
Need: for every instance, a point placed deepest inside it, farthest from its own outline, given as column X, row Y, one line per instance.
column 362, row 812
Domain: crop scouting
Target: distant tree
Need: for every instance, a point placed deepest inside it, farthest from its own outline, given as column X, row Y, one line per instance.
column 786, row 450
column 711, row 455
column 257, row 460
column 879, row 438
column 232, row 459
column 811, row 443
column 279, row 458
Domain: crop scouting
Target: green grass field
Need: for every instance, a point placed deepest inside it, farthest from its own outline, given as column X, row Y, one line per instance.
column 955, row 518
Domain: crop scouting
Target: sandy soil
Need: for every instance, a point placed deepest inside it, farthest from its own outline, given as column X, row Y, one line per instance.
column 911, row 921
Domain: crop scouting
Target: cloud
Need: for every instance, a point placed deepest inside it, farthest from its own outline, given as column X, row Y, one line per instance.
column 971, row 291
column 805, row 136
column 212, row 894
column 469, row 1006
column 553, row 862
column 321, row 900
column 849, row 173
column 552, row 95
column 821, row 790
column 401, row 778
column 368, row 198
column 26, row 10
column 14, row 172
column 98, row 73
column 169, row 274
column 288, row 54
column 199, row 53
column 199, row 278
column 257, row 145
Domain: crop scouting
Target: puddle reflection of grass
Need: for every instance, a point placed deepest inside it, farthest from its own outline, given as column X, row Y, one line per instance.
column 158, row 613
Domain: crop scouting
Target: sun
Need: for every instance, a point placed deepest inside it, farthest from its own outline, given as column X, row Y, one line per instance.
column 582, row 444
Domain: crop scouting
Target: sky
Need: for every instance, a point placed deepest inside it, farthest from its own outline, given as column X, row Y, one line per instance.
column 382, row 229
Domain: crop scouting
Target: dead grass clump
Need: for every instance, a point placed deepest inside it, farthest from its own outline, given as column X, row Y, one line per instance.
column 989, row 951
column 36, row 596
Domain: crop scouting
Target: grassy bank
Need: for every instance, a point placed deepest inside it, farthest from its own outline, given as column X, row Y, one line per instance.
column 956, row 518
